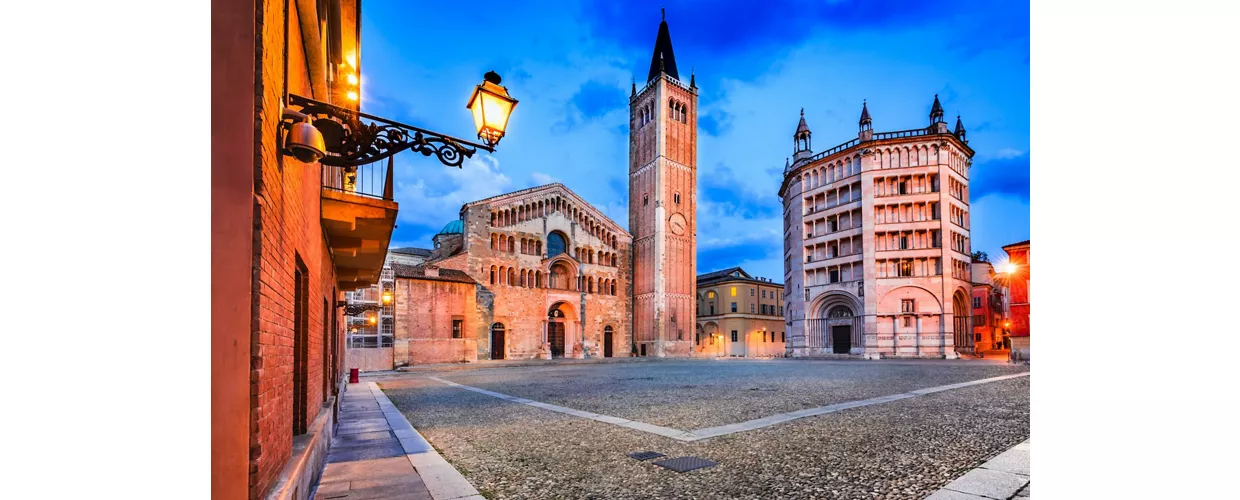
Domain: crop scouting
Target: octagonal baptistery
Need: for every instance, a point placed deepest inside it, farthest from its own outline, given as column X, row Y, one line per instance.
column 876, row 243
column 549, row 276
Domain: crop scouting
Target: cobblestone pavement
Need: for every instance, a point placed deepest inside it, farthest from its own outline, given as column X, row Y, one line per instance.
column 902, row 449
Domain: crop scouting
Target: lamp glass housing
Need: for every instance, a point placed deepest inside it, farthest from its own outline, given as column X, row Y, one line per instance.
column 491, row 106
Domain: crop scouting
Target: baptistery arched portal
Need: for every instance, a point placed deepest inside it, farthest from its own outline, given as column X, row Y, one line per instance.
column 840, row 320
column 962, row 321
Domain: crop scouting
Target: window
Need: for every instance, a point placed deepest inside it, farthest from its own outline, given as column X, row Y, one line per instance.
column 710, row 294
column 908, row 321
column 782, row 338
column 733, row 335
column 733, row 291
column 906, row 305
column 751, row 292
column 764, row 337
column 301, row 344
column 751, row 309
column 712, row 309
column 733, row 307
column 645, row 200
column 556, row 244
column 979, row 320
column 764, row 294
column 456, row 328
column 676, row 197
column 977, row 302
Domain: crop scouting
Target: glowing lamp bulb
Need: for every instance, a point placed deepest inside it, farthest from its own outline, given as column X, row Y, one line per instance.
column 352, row 95
column 352, row 79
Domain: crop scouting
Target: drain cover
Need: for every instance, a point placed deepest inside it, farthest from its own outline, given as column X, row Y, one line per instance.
column 685, row 464
column 646, row 455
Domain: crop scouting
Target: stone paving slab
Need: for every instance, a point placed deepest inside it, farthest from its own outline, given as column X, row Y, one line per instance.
column 724, row 430
column 1003, row 477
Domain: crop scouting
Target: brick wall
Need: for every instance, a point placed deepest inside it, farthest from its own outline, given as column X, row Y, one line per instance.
column 286, row 228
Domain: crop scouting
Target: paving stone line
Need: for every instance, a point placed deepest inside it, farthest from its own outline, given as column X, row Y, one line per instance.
column 442, row 480
column 723, row 430
column 1003, row 477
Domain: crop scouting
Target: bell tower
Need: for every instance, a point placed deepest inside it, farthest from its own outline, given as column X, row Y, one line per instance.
column 663, row 205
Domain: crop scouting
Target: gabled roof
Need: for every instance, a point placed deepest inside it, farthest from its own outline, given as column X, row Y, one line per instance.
column 420, row 252
column 663, row 60
column 556, row 188
column 419, row 272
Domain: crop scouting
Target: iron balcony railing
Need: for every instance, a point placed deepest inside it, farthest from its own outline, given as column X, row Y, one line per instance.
column 373, row 180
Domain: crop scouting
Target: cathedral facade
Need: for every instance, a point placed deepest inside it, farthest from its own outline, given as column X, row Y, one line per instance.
column 533, row 274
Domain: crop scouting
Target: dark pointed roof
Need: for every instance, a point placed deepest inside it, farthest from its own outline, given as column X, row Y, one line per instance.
column 865, row 114
column 936, row 111
column 802, row 127
column 663, row 59
column 959, row 126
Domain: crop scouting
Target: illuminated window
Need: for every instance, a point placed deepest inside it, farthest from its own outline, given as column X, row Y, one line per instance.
column 733, row 291
column 710, row 295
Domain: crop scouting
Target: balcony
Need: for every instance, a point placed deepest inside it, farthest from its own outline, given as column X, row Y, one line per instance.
column 358, row 214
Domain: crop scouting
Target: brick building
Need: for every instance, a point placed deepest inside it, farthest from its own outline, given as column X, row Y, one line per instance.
column 876, row 242
column 288, row 238
column 1017, row 281
column 739, row 315
column 988, row 334
column 663, row 205
column 370, row 331
column 536, row 273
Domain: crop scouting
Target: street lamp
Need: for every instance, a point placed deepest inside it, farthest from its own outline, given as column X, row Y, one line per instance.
column 387, row 297
column 491, row 106
column 348, row 141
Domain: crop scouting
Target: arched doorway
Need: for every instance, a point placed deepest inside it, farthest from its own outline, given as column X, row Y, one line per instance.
column 608, row 334
column 840, row 320
column 555, row 330
column 962, row 321
column 497, row 341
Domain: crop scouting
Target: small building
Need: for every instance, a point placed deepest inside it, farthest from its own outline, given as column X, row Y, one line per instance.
column 1018, row 298
column 739, row 315
column 988, row 332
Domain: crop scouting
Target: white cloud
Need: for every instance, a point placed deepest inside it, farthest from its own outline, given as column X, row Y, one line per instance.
column 480, row 178
column 1006, row 153
column 541, row 178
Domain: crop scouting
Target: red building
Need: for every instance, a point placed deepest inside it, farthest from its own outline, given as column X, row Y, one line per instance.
column 287, row 239
column 1017, row 280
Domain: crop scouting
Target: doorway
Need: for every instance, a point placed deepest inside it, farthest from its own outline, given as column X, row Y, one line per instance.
column 497, row 341
column 841, row 339
column 555, row 336
column 607, row 335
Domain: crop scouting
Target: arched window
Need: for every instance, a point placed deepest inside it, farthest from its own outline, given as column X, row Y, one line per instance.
column 556, row 244
column 512, row 243
column 538, row 279
column 522, row 277
column 492, row 275
column 512, row 276
column 538, row 247
column 613, row 287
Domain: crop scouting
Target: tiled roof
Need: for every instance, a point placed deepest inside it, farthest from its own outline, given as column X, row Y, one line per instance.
column 421, row 252
column 419, row 272
column 1017, row 244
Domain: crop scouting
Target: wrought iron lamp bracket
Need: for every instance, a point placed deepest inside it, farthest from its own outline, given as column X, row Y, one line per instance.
column 352, row 142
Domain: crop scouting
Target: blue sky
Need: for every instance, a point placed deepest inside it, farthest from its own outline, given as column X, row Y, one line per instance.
column 571, row 64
